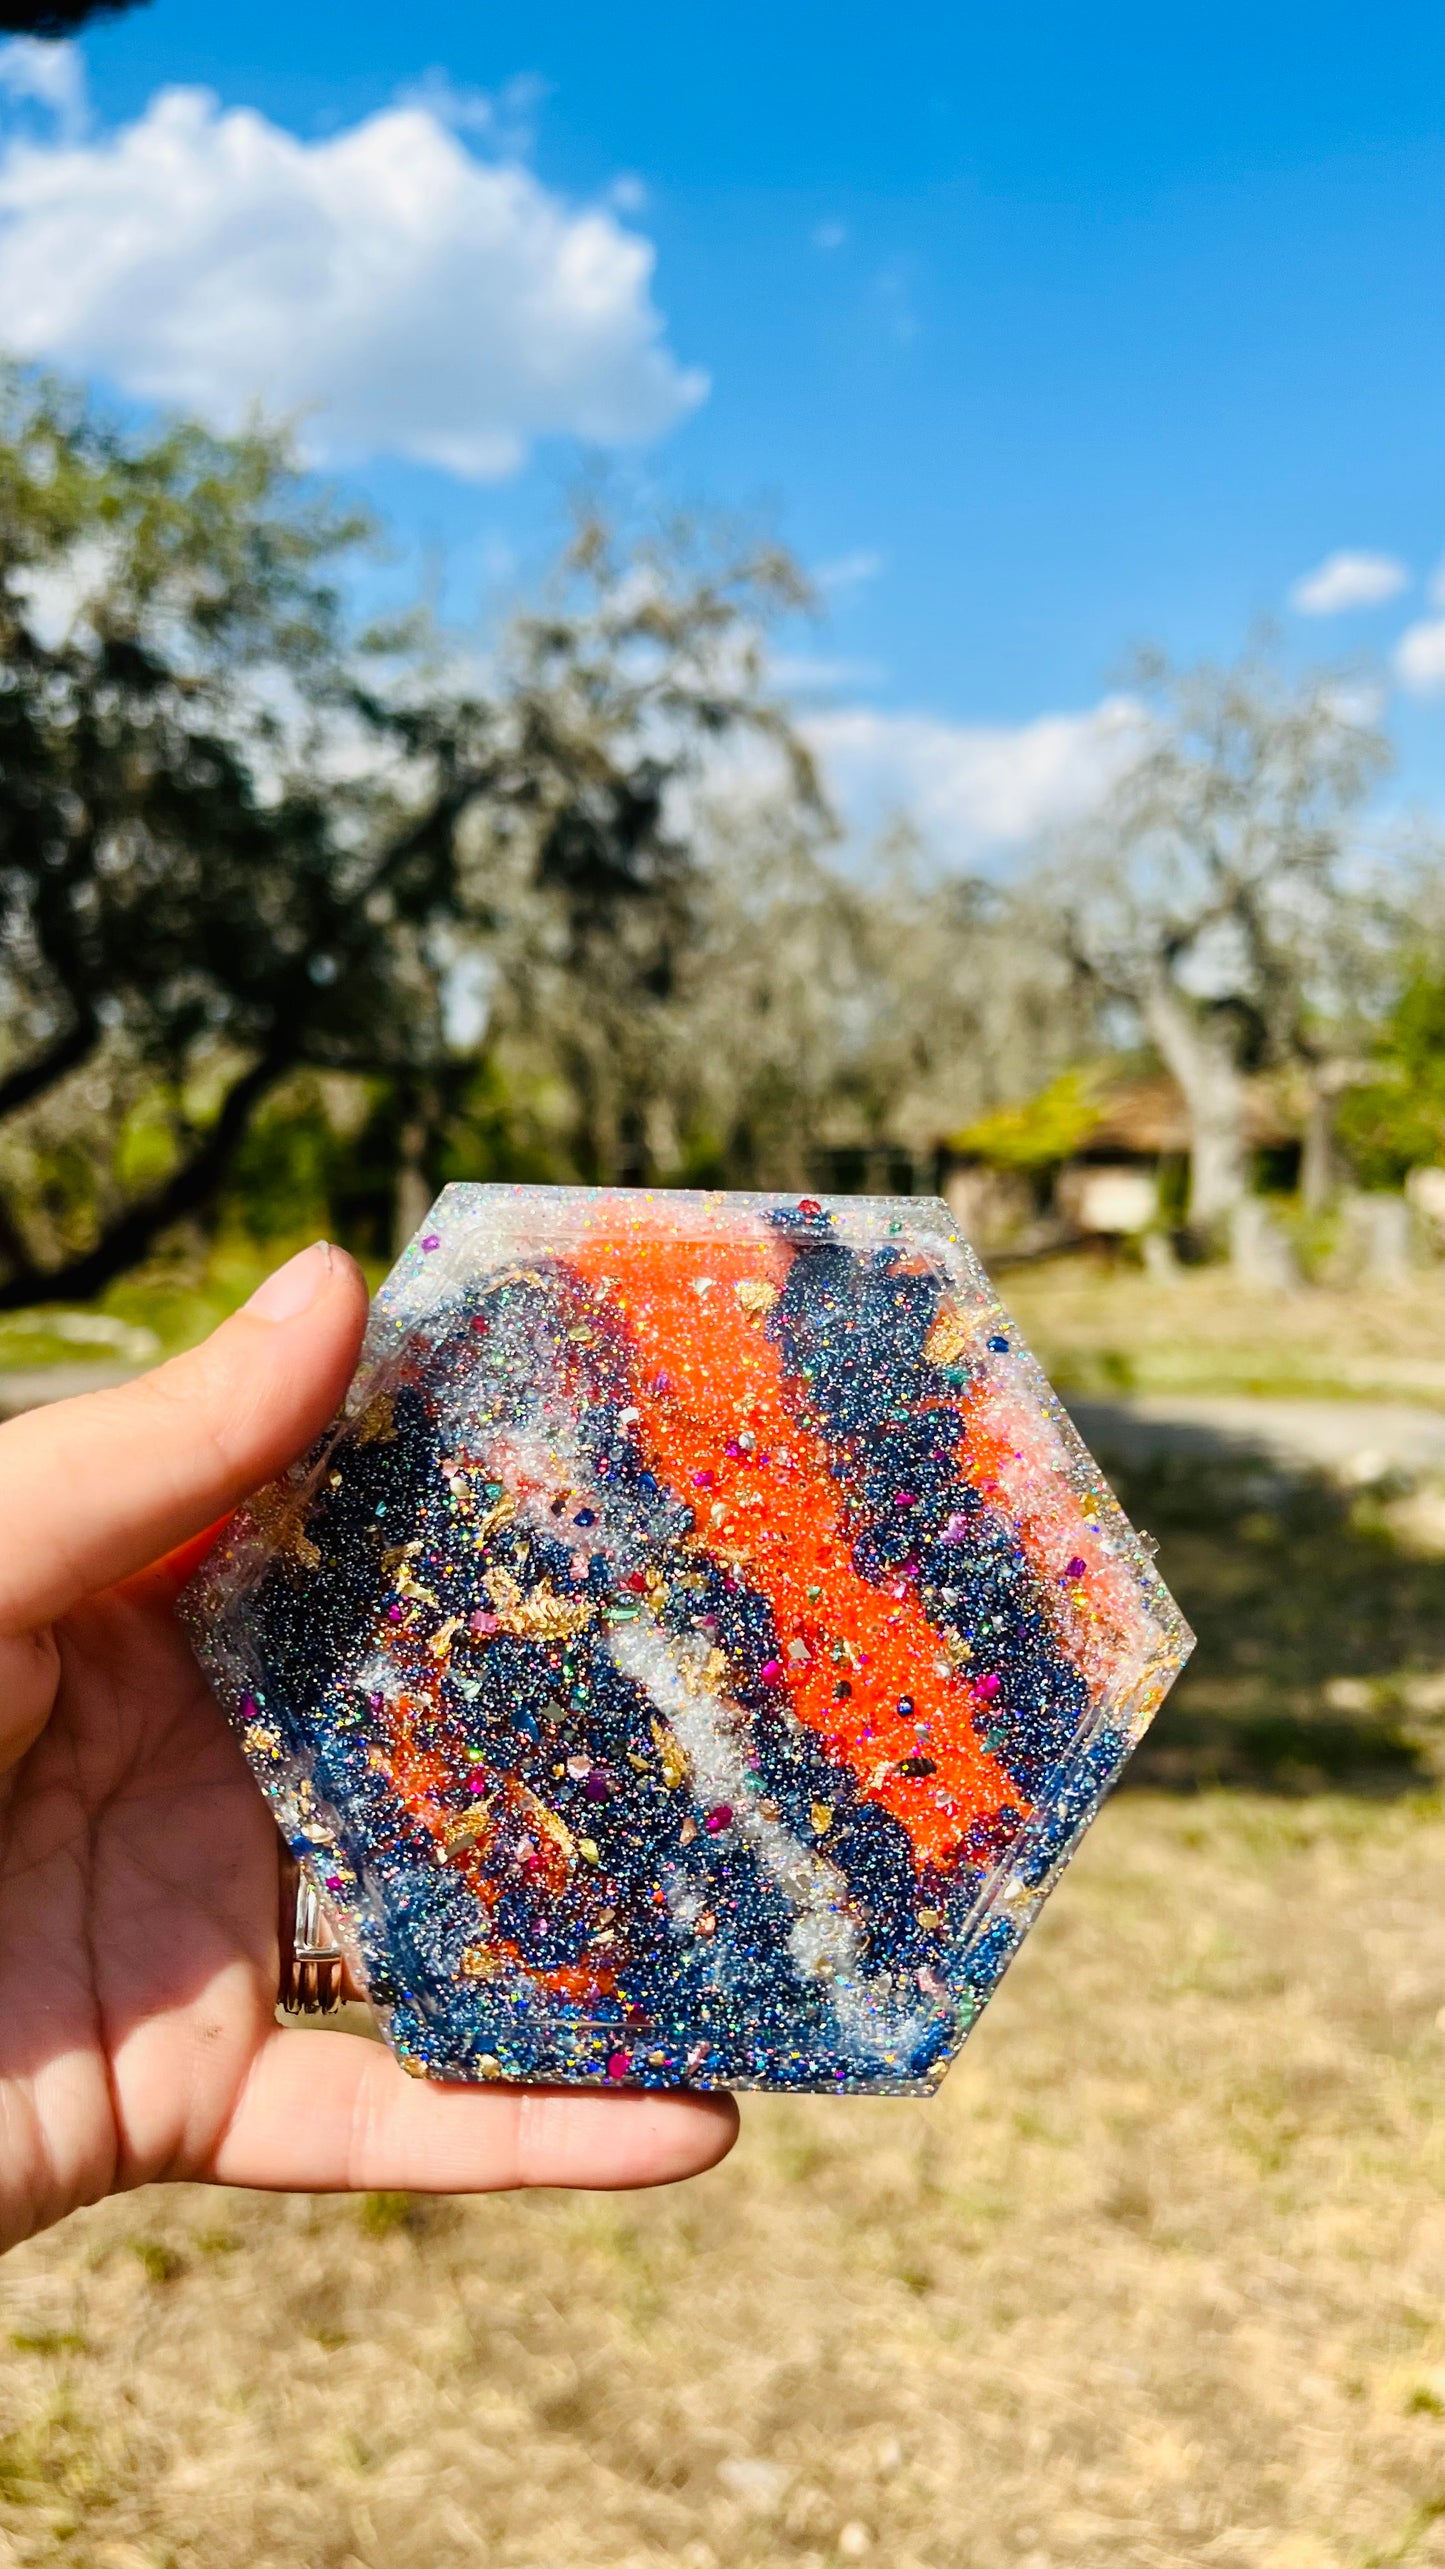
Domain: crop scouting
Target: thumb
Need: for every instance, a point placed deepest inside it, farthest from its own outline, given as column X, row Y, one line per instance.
column 94, row 1489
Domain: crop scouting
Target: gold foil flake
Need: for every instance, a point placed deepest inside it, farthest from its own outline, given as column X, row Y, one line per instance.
column 500, row 1513
column 278, row 1516
column 756, row 1296
column 672, row 1756
column 951, row 1336
column 540, row 1616
column 467, row 1826
column 377, row 1423
column 478, row 1962
column 556, row 1829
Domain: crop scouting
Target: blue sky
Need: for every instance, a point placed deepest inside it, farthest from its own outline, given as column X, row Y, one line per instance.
column 1037, row 332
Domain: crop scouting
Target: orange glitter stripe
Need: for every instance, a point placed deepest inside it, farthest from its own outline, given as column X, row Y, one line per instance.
column 784, row 1528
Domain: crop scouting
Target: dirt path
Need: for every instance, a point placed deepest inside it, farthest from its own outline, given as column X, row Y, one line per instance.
column 1354, row 1440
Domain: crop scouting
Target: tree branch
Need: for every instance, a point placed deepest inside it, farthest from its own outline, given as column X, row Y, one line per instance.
column 134, row 1232
column 45, row 1069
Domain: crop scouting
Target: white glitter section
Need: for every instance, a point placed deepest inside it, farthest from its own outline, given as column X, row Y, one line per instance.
column 873, row 2011
column 823, row 1940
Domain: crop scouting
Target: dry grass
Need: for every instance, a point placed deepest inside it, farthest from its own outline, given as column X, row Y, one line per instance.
column 1102, row 1327
column 1158, row 2279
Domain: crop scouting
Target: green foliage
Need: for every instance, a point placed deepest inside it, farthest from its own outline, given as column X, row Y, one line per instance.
column 1396, row 1121
column 243, row 847
column 499, row 1131
column 162, row 2262
column 1041, row 1131
column 292, row 1165
column 188, row 914
column 224, row 535
column 321, row 1155
column 383, row 2214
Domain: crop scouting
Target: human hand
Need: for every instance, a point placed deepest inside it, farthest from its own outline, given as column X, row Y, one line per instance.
column 138, row 1862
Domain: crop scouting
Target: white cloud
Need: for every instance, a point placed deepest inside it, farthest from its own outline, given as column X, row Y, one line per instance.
column 830, row 236
column 851, row 571
column 1345, row 580
column 401, row 295
column 812, row 673
column 973, row 788
column 47, row 75
column 1420, row 658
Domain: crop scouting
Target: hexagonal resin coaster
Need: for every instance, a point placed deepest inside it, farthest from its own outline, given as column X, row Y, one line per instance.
column 694, row 1652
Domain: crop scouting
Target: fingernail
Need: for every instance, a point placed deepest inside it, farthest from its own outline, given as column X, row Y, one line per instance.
column 294, row 1287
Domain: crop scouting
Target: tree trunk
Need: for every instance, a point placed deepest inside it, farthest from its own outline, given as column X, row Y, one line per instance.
column 1317, row 1159
column 411, row 1201
column 1379, row 1245
column 1200, row 1053
column 1259, row 1250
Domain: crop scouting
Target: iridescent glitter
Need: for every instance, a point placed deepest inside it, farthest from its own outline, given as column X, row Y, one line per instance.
column 697, row 1648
